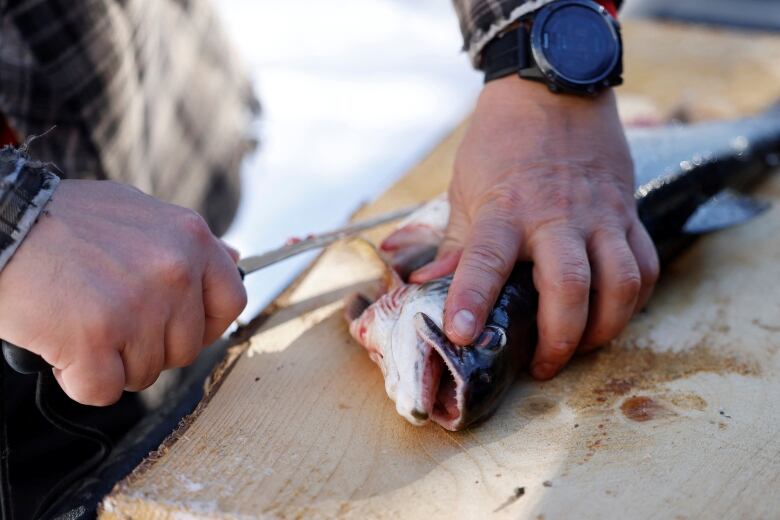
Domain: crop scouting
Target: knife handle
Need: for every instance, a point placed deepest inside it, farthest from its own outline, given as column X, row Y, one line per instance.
column 26, row 362
column 23, row 361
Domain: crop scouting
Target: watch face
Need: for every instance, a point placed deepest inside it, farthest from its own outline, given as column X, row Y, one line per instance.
column 576, row 43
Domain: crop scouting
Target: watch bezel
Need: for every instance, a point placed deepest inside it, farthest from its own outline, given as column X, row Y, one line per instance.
column 554, row 77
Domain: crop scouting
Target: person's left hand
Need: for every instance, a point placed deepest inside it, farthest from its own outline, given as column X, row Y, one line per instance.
column 546, row 178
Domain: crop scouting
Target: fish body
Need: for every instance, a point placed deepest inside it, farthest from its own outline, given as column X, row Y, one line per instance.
column 684, row 177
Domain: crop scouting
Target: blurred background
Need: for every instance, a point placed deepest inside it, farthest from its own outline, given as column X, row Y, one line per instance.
column 355, row 92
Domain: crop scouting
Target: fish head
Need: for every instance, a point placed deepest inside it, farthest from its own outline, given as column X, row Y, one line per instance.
column 371, row 323
column 387, row 330
column 427, row 376
column 471, row 379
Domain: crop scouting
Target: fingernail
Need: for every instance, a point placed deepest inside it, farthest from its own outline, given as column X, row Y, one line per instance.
column 543, row 370
column 463, row 324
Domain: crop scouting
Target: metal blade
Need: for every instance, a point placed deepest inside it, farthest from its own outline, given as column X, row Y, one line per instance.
column 254, row 263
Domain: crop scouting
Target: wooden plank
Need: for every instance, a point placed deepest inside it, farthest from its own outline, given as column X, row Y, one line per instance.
column 676, row 418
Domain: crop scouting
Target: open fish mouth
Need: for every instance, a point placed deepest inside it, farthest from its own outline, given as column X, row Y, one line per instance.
column 442, row 388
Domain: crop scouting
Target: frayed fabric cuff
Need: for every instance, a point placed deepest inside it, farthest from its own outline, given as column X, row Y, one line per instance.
column 480, row 38
column 25, row 188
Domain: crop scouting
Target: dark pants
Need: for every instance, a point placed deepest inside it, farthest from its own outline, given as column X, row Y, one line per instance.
column 40, row 455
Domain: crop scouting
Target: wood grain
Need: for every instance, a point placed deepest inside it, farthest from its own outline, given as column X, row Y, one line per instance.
column 677, row 418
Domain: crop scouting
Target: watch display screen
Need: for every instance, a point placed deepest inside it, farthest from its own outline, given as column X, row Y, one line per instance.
column 578, row 44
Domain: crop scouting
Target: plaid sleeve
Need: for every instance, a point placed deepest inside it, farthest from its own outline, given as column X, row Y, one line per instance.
column 25, row 187
column 482, row 20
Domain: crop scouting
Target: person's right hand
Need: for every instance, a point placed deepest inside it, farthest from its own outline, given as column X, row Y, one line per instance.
column 112, row 286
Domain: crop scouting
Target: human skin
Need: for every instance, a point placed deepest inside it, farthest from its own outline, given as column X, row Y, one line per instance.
column 112, row 286
column 546, row 178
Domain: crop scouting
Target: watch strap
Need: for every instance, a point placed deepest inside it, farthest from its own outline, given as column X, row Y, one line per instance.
column 506, row 54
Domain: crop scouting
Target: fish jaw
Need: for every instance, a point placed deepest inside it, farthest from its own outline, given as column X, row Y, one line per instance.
column 476, row 376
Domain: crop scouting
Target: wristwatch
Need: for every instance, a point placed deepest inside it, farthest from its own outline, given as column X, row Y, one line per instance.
column 573, row 46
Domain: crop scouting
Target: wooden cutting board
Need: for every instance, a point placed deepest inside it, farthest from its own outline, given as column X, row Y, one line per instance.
column 678, row 418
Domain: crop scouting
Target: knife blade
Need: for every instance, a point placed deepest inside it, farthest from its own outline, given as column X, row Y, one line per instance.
column 251, row 264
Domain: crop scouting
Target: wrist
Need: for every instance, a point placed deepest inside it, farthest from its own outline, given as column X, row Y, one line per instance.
column 512, row 93
column 572, row 46
column 26, row 187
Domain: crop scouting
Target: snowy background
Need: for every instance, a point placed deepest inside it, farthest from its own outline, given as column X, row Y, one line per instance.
column 354, row 92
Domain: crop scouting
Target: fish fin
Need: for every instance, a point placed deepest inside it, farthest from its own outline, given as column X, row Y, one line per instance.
column 726, row 209
column 428, row 331
column 370, row 252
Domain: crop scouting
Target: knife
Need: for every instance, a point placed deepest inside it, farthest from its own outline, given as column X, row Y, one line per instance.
column 26, row 362
column 255, row 263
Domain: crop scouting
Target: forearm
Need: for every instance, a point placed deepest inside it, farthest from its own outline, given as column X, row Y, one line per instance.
column 482, row 20
column 25, row 187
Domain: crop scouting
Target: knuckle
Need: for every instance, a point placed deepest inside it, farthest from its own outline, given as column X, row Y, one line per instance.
column 176, row 271
column 617, row 203
column 475, row 297
column 102, row 328
column 194, row 226
column 134, row 302
column 560, row 350
column 562, row 200
column 627, row 287
column 183, row 355
column 506, row 201
column 488, row 261
column 573, row 284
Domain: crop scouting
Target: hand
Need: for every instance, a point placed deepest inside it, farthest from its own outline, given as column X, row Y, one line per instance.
column 546, row 178
column 112, row 286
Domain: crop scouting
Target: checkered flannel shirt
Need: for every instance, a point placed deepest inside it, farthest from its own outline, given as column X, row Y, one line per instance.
column 482, row 20
column 144, row 92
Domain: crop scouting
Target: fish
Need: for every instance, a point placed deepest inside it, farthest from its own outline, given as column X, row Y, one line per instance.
column 690, row 180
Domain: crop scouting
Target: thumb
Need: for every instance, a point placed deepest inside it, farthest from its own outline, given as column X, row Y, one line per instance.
column 488, row 257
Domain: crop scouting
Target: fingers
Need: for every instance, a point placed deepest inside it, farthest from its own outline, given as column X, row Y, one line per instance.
column 233, row 252
column 487, row 260
column 450, row 250
column 615, row 287
column 144, row 359
column 96, row 378
column 562, row 277
column 443, row 265
column 224, row 295
column 647, row 262
column 184, row 333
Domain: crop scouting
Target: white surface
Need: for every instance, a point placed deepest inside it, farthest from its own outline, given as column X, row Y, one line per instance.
column 354, row 92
